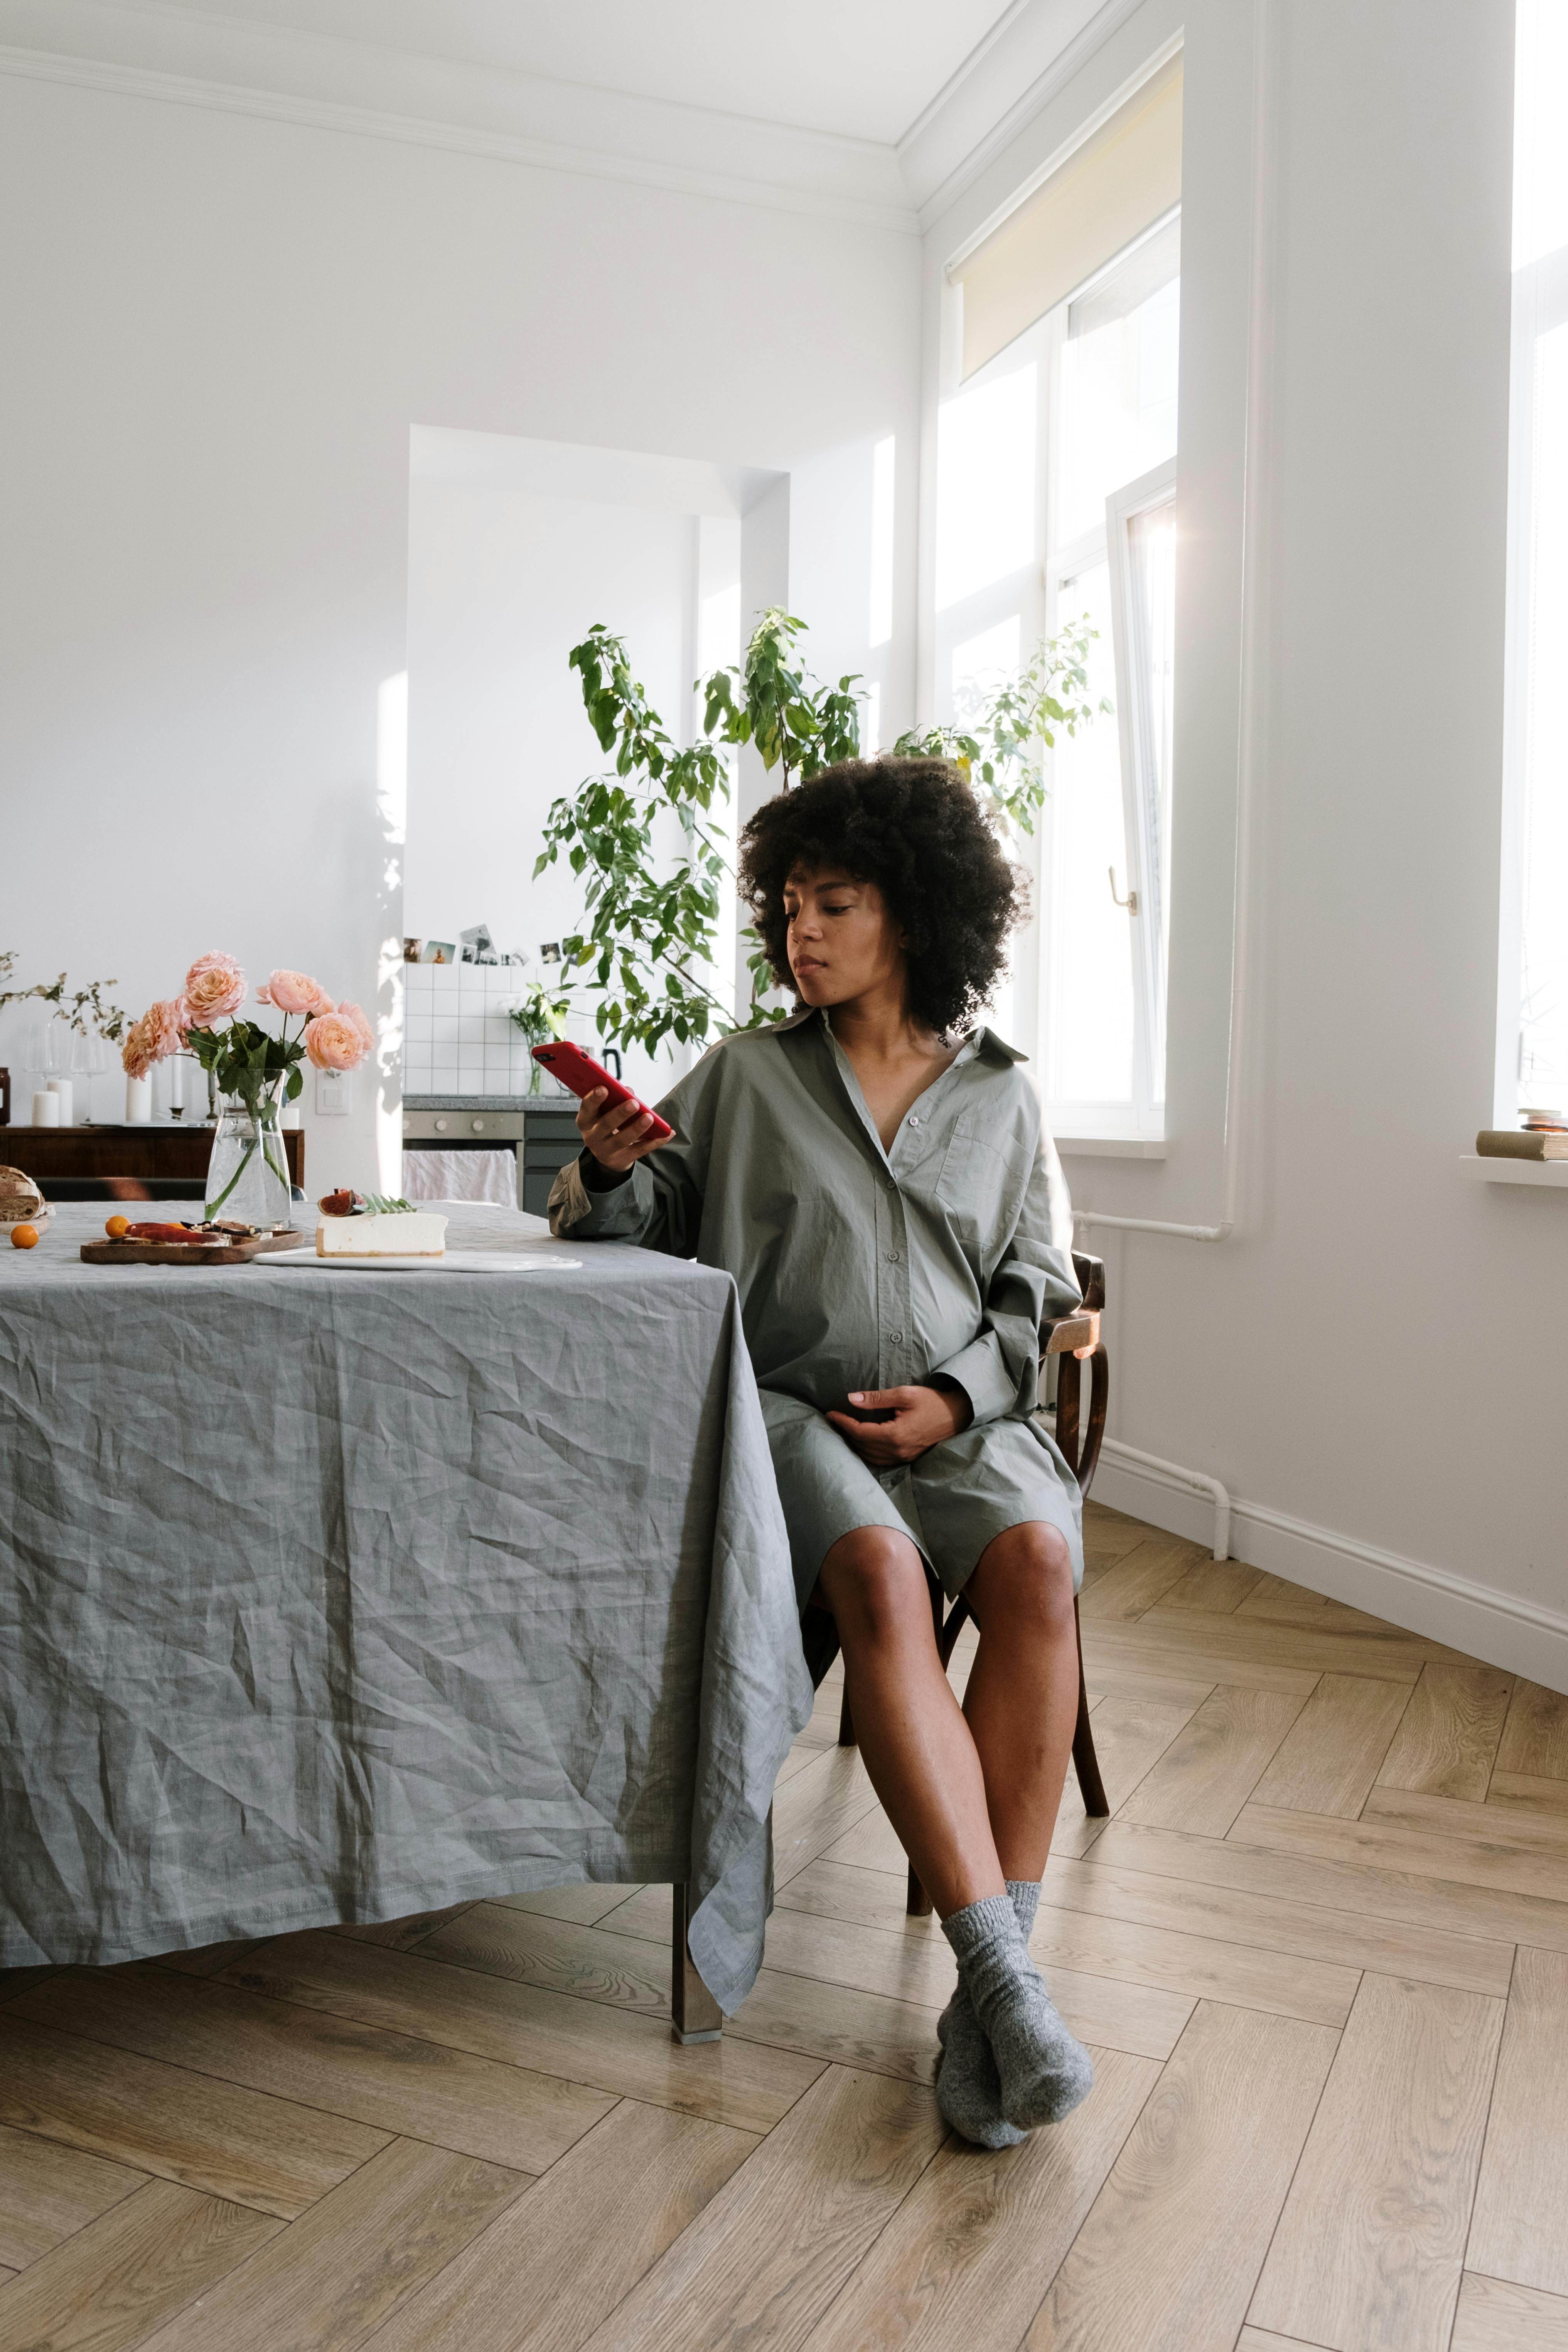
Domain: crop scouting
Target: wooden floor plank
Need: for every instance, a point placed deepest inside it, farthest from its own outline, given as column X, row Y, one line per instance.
column 16, row 1980
column 1365, row 1890
column 584, row 1905
column 1535, row 1736
column 1219, row 1586
column 404, row 1935
column 817, row 1807
column 1495, row 2316
column 1211, row 1769
column 730, row 2082
column 1529, row 1793
column 1520, row 2230
column 1262, row 2339
column 1371, row 2240
column 122, row 2275
column 1207, row 1967
column 1111, row 1679
column 1139, row 1579
column 1390, row 1654
column 206, row 1960
column 1130, row 1736
column 1508, row 1866
column 554, row 2266
column 1329, row 1756
column 1166, row 2260
column 1281, row 1603
column 1447, row 1743
column 347, row 2266
column 232, row 2143
column 1172, row 1648
column 1538, row 1831
column 968, row 2256
column 1345, row 1940
column 390, row 2081
column 48, row 2193
column 771, row 2252
column 1107, row 1534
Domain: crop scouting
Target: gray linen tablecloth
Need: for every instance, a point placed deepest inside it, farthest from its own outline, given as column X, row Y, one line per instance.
column 329, row 1595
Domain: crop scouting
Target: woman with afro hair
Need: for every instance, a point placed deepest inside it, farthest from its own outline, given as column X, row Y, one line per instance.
column 874, row 1174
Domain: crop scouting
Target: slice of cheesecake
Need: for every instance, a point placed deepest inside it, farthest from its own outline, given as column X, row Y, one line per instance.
column 402, row 1233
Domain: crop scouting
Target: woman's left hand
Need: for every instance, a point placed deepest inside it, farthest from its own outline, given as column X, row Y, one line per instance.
column 921, row 1418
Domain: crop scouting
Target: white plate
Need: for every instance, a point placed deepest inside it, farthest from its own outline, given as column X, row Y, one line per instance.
column 533, row 1261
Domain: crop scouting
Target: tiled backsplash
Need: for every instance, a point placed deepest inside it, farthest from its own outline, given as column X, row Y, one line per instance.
column 457, row 1039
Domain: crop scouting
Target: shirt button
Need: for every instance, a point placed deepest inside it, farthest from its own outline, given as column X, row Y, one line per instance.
column 893, row 1257
column 913, row 1120
column 895, row 1337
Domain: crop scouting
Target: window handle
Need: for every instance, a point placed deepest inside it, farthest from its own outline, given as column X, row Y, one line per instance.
column 1130, row 901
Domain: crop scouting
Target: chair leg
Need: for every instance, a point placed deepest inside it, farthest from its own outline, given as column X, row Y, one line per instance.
column 845, row 1722
column 1085, row 1763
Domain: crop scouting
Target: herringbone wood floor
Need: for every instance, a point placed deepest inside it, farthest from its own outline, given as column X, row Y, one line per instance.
column 1320, row 1951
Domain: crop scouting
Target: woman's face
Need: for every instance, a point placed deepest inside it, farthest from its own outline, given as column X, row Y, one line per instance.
column 843, row 943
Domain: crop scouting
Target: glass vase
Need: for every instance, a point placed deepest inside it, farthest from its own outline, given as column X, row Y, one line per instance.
column 248, row 1174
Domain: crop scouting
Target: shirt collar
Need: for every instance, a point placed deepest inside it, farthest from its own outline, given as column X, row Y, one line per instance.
column 978, row 1041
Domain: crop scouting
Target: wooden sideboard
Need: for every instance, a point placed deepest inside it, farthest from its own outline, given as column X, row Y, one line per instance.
column 162, row 1150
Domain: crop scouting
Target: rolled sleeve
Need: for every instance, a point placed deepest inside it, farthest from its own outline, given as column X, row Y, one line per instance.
column 1033, row 1283
column 622, row 1213
column 980, row 1372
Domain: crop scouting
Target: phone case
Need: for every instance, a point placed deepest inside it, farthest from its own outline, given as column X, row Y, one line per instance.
column 583, row 1074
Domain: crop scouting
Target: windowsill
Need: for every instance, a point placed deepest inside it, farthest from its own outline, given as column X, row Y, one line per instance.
column 1509, row 1171
column 1109, row 1146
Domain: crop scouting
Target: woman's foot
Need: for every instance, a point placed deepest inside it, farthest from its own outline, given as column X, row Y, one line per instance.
column 968, row 2087
column 1043, row 2071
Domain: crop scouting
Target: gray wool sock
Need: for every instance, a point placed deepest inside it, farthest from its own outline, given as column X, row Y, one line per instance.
column 969, row 2089
column 1043, row 2072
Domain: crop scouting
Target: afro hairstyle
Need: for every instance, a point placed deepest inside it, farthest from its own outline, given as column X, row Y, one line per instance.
column 914, row 828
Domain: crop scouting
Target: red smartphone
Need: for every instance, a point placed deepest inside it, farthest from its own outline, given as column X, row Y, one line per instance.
column 581, row 1074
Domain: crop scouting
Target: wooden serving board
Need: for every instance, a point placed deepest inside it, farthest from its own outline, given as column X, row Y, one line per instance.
column 108, row 1253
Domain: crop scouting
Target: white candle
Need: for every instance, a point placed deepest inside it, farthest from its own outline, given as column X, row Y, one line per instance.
column 61, row 1090
column 138, row 1102
column 46, row 1109
column 176, row 1082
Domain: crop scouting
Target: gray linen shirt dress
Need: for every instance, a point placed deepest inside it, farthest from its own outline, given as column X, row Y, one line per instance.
column 861, row 1268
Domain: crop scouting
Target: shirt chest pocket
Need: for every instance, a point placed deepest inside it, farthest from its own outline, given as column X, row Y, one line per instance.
column 980, row 1188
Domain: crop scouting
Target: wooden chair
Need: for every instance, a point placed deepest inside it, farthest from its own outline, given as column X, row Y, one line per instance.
column 1079, row 1441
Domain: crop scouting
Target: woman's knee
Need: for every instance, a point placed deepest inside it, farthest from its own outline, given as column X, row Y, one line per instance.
column 874, row 1582
column 1024, row 1583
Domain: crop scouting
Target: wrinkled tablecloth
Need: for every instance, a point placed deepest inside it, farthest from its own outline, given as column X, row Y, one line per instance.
column 331, row 1596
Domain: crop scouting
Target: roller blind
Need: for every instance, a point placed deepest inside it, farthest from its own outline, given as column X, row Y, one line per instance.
column 1106, row 194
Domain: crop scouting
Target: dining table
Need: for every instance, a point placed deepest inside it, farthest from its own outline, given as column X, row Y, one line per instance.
column 334, row 1593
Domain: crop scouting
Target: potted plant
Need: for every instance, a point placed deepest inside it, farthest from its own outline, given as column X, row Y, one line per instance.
column 540, row 1013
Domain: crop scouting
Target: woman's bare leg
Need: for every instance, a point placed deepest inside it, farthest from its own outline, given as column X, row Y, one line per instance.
column 1022, row 1699
column 918, row 1748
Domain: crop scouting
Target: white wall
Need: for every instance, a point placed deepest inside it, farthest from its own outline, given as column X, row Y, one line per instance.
column 1374, row 1362
column 220, row 331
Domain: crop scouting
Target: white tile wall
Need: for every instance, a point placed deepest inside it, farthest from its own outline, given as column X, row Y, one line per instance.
column 457, row 1039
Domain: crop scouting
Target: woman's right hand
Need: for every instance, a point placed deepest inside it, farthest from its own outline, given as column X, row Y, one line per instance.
column 616, row 1134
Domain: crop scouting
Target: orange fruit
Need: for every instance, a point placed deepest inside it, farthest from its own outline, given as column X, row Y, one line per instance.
column 116, row 1227
column 24, row 1237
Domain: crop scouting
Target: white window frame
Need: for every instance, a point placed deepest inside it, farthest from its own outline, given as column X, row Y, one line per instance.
column 1148, row 872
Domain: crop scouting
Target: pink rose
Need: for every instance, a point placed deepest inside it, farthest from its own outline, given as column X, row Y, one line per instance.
column 353, row 1012
column 295, row 991
column 215, row 985
column 136, row 1055
column 167, row 1022
column 334, row 1041
column 160, row 1032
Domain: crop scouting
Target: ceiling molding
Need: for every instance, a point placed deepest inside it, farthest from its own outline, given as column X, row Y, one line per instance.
column 172, row 54
column 1041, row 44
column 169, row 56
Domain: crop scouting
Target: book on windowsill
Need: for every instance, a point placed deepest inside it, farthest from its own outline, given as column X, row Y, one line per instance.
column 1520, row 1143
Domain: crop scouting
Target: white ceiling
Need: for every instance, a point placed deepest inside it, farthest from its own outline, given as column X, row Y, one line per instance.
column 861, row 68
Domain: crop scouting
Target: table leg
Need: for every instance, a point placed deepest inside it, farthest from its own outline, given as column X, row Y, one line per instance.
column 695, row 2015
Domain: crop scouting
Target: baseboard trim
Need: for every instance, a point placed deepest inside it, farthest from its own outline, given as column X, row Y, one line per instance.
column 1520, row 1636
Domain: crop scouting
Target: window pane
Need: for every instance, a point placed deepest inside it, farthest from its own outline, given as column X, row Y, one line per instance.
column 985, row 484
column 1153, row 549
column 983, row 664
column 1118, row 383
column 1544, row 1010
column 1090, row 992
